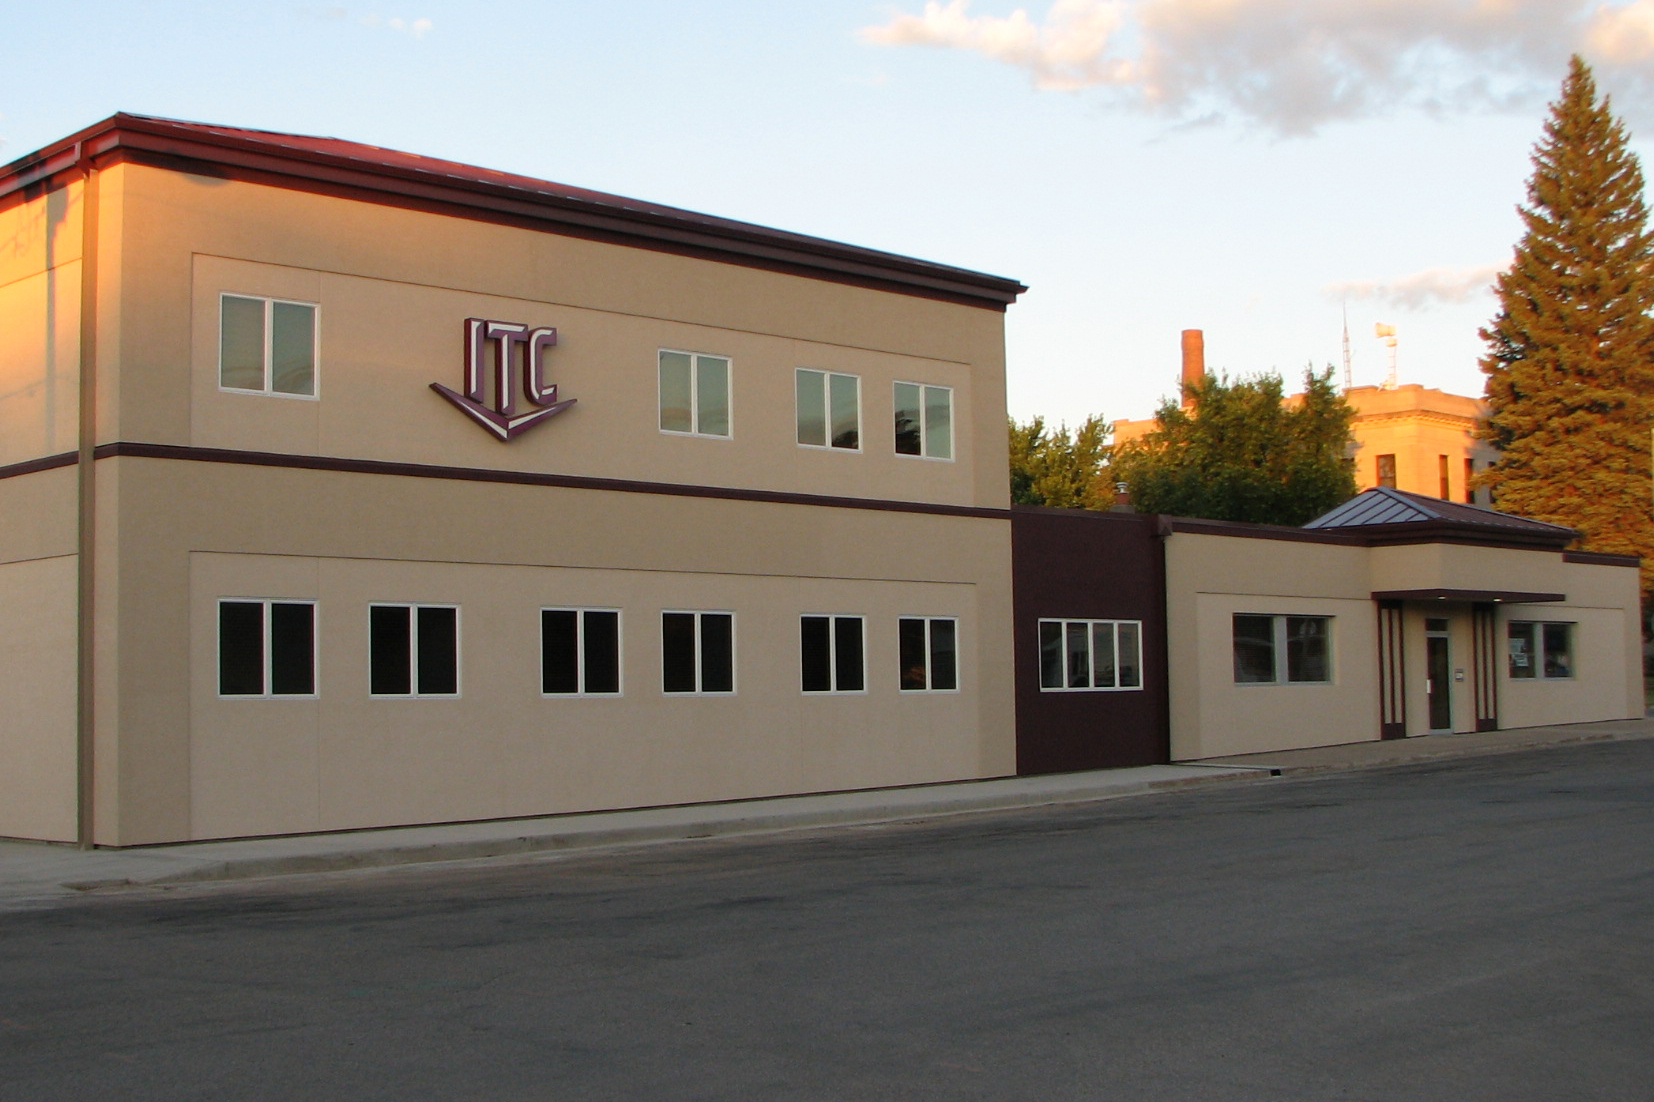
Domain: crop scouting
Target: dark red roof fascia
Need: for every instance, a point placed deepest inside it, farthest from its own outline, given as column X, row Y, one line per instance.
column 1600, row 558
column 386, row 176
column 1376, row 535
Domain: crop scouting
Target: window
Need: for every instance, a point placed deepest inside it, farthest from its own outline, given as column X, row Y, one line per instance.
column 924, row 420
column 694, row 394
column 267, row 346
column 697, row 652
column 1306, row 641
column 1441, row 471
column 1541, row 650
column 1469, row 474
column 829, row 409
column 266, row 648
column 830, row 654
column 579, row 651
column 1090, row 655
column 929, row 654
column 413, row 650
column 1387, row 471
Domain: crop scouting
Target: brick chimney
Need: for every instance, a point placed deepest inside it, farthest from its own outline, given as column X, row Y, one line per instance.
column 1194, row 360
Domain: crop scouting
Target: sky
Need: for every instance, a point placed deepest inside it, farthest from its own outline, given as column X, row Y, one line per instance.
column 1258, row 169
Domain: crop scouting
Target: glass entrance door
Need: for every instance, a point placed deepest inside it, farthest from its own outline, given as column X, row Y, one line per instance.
column 1439, row 688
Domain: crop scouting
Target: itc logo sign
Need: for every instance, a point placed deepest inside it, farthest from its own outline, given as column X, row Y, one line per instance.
column 518, row 352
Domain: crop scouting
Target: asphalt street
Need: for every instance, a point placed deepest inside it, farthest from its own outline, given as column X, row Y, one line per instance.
column 1474, row 929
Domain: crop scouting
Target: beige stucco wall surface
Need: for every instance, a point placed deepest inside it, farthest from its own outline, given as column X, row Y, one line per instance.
column 1209, row 579
column 37, row 698
column 40, row 276
column 193, row 766
column 394, row 287
column 1604, row 604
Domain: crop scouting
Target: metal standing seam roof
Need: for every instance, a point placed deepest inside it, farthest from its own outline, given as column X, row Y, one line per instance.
column 1382, row 506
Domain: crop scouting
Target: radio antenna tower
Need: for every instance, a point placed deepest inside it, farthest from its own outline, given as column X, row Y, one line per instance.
column 1349, row 378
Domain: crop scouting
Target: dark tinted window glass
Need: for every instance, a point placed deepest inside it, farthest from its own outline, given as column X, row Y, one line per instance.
column 910, row 643
column 1559, row 661
column 944, row 657
column 1306, row 649
column 1050, row 656
column 677, row 652
column 907, row 419
column 292, row 348
column 717, row 653
column 438, row 650
column 602, row 652
column 240, row 648
column 391, row 642
column 559, row 651
column 1102, row 656
column 1131, row 657
column 241, row 342
column 815, row 660
column 1079, row 656
column 847, row 654
column 1524, row 661
column 292, row 649
column 846, row 409
column 1254, row 649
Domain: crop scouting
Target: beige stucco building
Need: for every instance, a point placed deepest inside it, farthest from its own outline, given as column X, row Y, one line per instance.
column 347, row 488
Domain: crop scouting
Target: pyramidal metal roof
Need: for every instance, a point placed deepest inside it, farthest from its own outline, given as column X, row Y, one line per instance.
column 1382, row 506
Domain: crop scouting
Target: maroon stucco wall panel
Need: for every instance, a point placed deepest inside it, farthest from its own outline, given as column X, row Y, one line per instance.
column 1068, row 564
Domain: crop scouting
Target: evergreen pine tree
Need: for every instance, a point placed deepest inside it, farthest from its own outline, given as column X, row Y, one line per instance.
column 1570, row 382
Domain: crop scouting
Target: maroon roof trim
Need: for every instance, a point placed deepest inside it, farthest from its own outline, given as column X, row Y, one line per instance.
column 44, row 463
column 1600, row 558
column 333, row 166
column 531, row 478
column 1386, row 535
column 1474, row 596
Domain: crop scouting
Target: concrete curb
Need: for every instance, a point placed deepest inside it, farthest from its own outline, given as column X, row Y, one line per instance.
column 581, row 833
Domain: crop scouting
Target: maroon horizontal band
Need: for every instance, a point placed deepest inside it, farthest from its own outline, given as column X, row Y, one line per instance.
column 45, row 463
column 1600, row 558
column 530, row 478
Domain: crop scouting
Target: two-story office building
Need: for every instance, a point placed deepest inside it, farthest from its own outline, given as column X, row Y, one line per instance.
column 347, row 488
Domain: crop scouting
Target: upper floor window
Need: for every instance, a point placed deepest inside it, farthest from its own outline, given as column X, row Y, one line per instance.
column 829, row 409
column 1541, row 650
column 694, row 394
column 413, row 650
column 1090, row 654
column 266, row 648
column 1386, row 471
column 267, row 346
column 1261, row 641
column 924, row 420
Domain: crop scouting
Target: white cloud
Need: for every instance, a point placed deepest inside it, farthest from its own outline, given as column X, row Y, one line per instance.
column 1422, row 290
column 415, row 27
column 1291, row 66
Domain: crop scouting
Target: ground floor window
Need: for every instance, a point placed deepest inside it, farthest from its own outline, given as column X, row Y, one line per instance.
column 1541, row 650
column 929, row 654
column 697, row 652
column 831, row 655
column 1090, row 654
column 266, row 648
column 414, row 650
column 579, row 651
column 1260, row 642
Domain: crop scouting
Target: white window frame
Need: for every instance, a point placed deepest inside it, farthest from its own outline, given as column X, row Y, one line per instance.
column 269, row 649
column 695, row 359
column 1278, row 636
column 413, row 692
column 580, row 652
column 269, row 347
column 833, row 619
column 958, row 656
column 1541, row 651
column 827, row 406
column 924, row 428
column 1091, row 658
column 734, row 652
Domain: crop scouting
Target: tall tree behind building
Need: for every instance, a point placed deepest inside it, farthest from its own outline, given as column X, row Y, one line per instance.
column 1570, row 385
column 1058, row 468
column 1237, row 452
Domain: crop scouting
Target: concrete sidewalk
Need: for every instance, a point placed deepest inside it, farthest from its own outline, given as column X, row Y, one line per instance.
column 38, row 873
